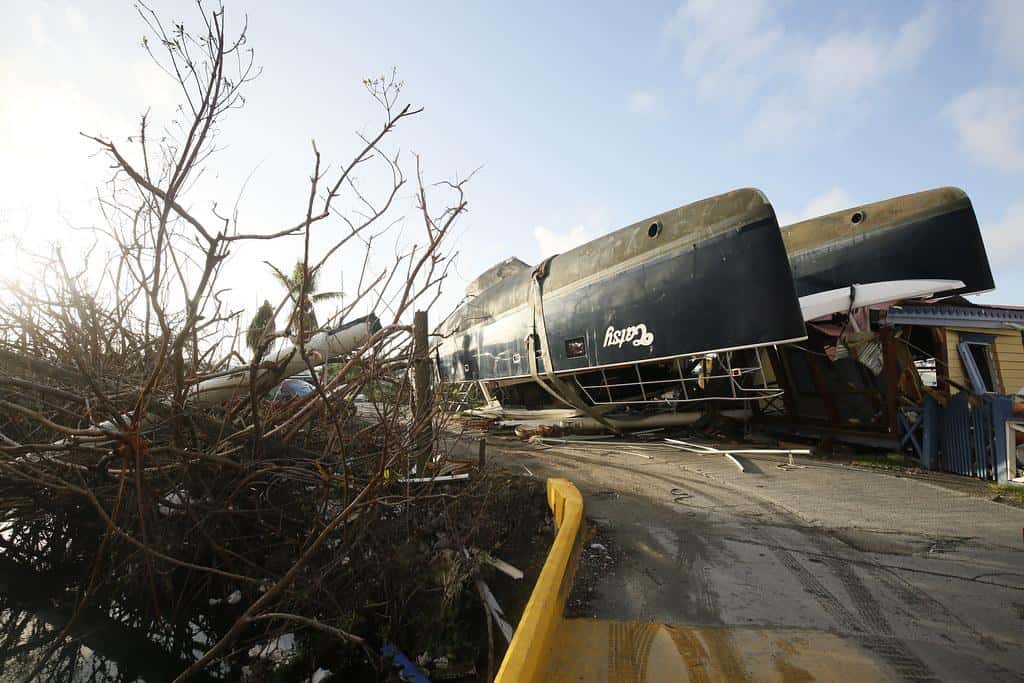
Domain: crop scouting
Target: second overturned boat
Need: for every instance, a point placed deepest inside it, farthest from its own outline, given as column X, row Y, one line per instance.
column 659, row 311
column 922, row 244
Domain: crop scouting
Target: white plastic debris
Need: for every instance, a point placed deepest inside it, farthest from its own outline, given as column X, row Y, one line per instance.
column 198, row 634
column 502, row 566
column 494, row 608
column 277, row 649
column 320, row 675
column 428, row 480
column 235, row 598
column 175, row 498
column 598, row 546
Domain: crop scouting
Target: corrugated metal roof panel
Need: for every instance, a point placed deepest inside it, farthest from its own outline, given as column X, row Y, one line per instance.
column 948, row 316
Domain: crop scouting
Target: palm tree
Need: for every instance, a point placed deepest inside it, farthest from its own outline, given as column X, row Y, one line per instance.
column 293, row 284
column 262, row 326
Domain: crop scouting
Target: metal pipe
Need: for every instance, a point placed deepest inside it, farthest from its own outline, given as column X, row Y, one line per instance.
column 648, row 421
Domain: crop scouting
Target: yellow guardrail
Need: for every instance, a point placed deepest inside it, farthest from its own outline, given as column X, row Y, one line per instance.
column 530, row 650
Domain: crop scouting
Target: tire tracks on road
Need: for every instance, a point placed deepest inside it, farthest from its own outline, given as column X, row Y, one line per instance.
column 868, row 626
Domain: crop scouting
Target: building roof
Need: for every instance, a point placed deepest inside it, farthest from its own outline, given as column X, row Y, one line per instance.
column 963, row 314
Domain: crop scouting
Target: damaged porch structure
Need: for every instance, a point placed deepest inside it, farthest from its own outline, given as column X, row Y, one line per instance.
column 935, row 380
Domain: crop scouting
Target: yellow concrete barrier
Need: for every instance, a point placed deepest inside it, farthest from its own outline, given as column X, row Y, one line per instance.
column 532, row 644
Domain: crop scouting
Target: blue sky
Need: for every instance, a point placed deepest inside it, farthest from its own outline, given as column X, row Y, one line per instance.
column 583, row 118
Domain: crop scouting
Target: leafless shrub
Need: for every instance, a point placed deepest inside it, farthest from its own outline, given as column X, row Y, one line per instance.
column 105, row 454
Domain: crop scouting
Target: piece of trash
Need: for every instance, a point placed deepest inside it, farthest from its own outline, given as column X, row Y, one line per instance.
column 491, row 603
column 406, row 669
column 215, row 601
column 428, row 480
column 526, row 468
column 173, row 504
column 441, row 662
column 319, row 675
column 598, row 546
column 277, row 649
column 639, row 455
column 790, row 465
column 235, row 598
column 502, row 566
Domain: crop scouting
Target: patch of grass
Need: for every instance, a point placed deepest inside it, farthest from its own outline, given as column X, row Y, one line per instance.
column 885, row 461
column 1011, row 494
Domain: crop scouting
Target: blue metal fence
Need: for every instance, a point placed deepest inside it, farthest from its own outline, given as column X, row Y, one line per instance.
column 966, row 436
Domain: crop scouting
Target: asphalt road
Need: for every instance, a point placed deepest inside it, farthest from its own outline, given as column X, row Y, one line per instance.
column 927, row 580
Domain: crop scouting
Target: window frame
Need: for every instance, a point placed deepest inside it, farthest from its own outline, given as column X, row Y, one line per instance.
column 971, row 369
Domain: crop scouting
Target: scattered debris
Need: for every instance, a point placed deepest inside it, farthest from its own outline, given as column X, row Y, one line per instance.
column 703, row 448
column 599, row 556
column 790, row 465
column 430, row 480
column 278, row 649
column 501, row 565
column 494, row 608
column 624, row 447
column 406, row 669
column 174, row 503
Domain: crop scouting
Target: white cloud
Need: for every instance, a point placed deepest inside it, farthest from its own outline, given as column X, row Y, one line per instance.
column 551, row 242
column 1004, row 240
column 642, row 102
column 724, row 43
column 738, row 52
column 990, row 122
column 826, row 202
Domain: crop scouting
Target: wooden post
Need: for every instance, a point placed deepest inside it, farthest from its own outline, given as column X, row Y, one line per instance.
column 941, row 360
column 423, row 404
column 890, row 376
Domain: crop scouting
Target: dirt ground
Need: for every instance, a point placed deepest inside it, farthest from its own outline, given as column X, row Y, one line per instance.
column 928, row 578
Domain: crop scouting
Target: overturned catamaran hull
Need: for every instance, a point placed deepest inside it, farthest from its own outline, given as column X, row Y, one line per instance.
column 926, row 236
column 706, row 278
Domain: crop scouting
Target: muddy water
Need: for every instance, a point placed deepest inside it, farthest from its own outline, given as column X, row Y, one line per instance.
column 41, row 573
column 101, row 646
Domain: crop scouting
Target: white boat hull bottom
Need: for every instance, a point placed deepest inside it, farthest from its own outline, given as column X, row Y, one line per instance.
column 814, row 306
